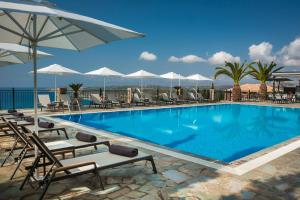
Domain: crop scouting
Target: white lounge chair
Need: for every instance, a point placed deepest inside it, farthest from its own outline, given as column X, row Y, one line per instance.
column 45, row 102
column 65, row 98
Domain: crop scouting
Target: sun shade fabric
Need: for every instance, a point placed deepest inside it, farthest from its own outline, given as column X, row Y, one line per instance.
column 57, row 28
column 104, row 71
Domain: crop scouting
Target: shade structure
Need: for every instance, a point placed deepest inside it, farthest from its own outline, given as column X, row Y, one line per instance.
column 11, row 53
column 38, row 24
column 141, row 74
column 56, row 70
column 172, row 76
column 197, row 78
column 104, row 72
column 253, row 87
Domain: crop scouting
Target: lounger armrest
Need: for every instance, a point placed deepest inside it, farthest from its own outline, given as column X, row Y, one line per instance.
column 68, row 167
column 56, row 152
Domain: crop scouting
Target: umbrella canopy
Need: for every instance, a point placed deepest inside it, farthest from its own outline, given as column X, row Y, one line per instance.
column 105, row 72
column 172, row 76
column 16, row 54
column 197, row 78
column 141, row 74
column 38, row 24
column 56, row 70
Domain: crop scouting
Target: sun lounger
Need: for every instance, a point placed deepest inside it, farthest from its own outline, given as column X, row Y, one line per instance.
column 65, row 98
column 97, row 101
column 165, row 99
column 192, row 98
column 177, row 99
column 63, row 169
column 57, row 129
column 45, row 102
column 138, row 101
column 116, row 102
column 27, row 149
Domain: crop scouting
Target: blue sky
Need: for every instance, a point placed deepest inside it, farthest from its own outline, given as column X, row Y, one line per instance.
column 200, row 28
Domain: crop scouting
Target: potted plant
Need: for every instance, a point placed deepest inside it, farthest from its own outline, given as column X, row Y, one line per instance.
column 75, row 87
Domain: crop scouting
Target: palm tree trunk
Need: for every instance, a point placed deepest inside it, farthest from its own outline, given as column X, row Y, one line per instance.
column 263, row 91
column 236, row 93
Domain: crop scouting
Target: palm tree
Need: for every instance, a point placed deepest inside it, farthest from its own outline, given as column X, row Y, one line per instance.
column 263, row 73
column 236, row 72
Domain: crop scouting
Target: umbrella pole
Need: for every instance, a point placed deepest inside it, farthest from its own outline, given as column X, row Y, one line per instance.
column 142, row 86
column 171, row 88
column 104, row 88
column 196, row 89
column 55, row 94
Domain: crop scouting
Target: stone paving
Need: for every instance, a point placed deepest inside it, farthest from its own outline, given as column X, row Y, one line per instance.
column 176, row 179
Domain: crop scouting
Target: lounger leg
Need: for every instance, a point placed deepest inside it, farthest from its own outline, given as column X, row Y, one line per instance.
column 48, row 182
column 153, row 165
column 20, row 159
column 10, row 152
column 30, row 172
column 65, row 132
column 58, row 133
column 100, row 180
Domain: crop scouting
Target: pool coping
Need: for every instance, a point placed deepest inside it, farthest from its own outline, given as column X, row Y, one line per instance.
column 237, row 167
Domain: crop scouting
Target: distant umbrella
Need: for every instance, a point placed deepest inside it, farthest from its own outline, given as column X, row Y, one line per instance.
column 141, row 74
column 56, row 70
column 197, row 78
column 104, row 72
column 172, row 76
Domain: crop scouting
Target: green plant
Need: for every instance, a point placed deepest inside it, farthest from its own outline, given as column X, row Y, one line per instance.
column 75, row 87
column 236, row 72
column 263, row 73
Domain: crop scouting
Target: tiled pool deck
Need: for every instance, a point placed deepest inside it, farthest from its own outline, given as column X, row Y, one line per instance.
column 177, row 179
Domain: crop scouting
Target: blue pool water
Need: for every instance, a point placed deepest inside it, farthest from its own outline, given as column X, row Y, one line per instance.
column 224, row 132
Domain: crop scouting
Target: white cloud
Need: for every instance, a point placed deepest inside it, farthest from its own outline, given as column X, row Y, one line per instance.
column 261, row 52
column 187, row 59
column 290, row 55
column 148, row 56
column 220, row 57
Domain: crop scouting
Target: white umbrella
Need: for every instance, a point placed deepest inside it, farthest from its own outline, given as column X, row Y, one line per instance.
column 56, row 70
column 141, row 74
column 16, row 54
column 36, row 24
column 105, row 72
column 197, row 78
column 172, row 76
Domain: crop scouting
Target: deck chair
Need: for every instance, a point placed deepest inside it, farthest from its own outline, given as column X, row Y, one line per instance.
column 149, row 99
column 65, row 98
column 63, row 169
column 165, row 99
column 57, row 129
column 201, row 98
column 137, row 100
column 45, row 102
column 97, row 101
column 115, row 101
column 177, row 99
column 65, row 146
column 191, row 97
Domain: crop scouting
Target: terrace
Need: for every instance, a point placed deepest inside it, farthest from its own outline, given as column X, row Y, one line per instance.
column 176, row 178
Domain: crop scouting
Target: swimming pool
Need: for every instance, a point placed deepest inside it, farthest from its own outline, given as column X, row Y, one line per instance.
column 224, row 132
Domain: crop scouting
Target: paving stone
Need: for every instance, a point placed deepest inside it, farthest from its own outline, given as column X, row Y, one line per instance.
column 177, row 177
column 135, row 194
column 106, row 191
column 118, row 193
column 133, row 186
column 248, row 194
column 113, row 180
column 282, row 186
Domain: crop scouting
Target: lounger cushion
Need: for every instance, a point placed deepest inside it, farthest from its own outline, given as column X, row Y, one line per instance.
column 103, row 160
column 123, row 150
column 46, row 125
column 12, row 111
column 85, row 137
column 18, row 114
